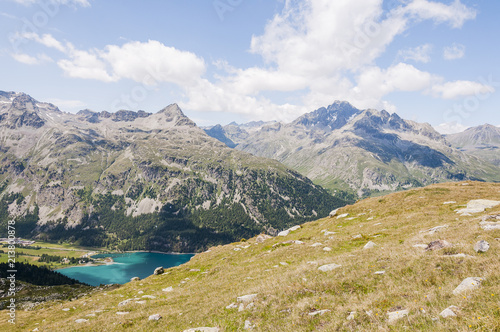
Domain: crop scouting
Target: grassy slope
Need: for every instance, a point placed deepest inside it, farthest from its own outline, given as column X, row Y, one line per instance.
column 419, row 281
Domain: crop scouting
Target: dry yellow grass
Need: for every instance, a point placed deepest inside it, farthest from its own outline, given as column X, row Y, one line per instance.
column 415, row 280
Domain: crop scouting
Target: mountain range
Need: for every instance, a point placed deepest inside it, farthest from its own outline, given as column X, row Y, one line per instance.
column 364, row 152
column 482, row 141
column 138, row 180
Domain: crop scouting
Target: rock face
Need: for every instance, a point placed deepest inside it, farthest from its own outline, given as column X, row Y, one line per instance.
column 482, row 246
column 154, row 181
column 468, row 284
column 360, row 151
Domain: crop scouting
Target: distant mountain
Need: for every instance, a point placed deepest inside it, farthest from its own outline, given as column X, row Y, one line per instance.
column 482, row 141
column 137, row 180
column 362, row 151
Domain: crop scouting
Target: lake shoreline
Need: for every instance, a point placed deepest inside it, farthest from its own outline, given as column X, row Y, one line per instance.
column 121, row 252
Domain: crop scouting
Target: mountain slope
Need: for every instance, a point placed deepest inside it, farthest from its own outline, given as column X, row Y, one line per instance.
column 482, row 141
column 341, row 147
column 397, row 275
column 138, row 180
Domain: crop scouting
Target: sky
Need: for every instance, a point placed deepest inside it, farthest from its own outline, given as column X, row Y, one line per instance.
column 243, row 60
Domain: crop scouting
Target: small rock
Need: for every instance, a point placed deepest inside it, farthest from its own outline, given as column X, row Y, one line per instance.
column 122, row 303
column 317, row 244
column 284, row 263
column 434, row 229
column 262, row 237
column 195, row 270
column 333, row 213
column 249, row 325
column 351, row 315
column 140, row 292
column 450, row 202
column 154, row 317
column 90, row 315
column 149, row 297
column 359, row 236
column 449, row 312
column 327, row 249
column 438, row 244
column 81, row 320
column 232, row 306
column 135, row 279
column 168, row 289
column 343, row 215
column 380, row 272
column 66, row 309
column 203, row 329
column 319, row 312
column 396, row 315
column 246, row 298
column 284, row 233
column 241, row 307
column 489, row 225
column 470, row 283
column 481, row 246
column 369, row 245
column 424, row 246
column 477, row 206
column 159, row 270
column 328, row 267
column 140, row 302
column 121, row 313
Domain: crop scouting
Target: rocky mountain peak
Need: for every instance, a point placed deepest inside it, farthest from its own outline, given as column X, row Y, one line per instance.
column 173, row 113
column 333, row 117
column 20, row 109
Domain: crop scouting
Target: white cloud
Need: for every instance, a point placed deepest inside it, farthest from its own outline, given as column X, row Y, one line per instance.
column 82, row 3
column 456, row 14
column 453, row 52
column 147, row 63
column 87, row 65
column 46, row 40
column 456, row 89
column 31, row 60
column 152, row 62
column 418, row 54
column 450, row 128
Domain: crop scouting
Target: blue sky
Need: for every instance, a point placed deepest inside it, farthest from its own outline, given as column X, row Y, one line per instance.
column 241, row 60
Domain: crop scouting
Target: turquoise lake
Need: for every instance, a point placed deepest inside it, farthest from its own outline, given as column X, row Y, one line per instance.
column 126, row 266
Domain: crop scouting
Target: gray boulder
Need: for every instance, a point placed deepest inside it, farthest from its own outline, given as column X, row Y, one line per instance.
column 159, row 270
column 482, row 246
